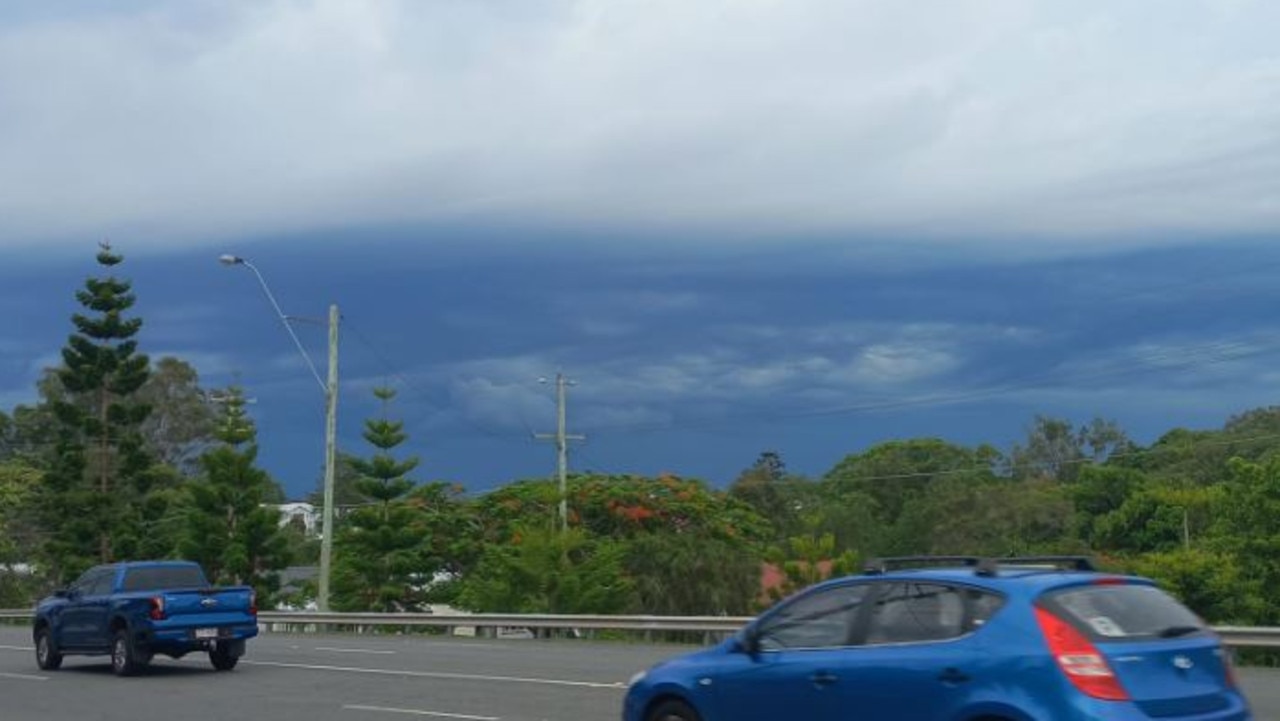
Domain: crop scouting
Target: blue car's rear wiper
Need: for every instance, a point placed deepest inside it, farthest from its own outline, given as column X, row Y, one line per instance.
column 1176, row 631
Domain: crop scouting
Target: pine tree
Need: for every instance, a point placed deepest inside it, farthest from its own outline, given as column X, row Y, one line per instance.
column 232, row 529
column 379, row 563
column 382, row 478
column 99, row 469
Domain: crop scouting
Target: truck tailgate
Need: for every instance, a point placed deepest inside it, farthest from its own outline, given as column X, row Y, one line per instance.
column 206, row 608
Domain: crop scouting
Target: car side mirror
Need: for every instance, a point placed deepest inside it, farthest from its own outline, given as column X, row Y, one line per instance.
column 749, row 642
column 62, row 593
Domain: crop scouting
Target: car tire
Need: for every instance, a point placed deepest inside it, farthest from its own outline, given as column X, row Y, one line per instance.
column 673, row 710
column 125, row 658
column 221, row 658
column 47, row 656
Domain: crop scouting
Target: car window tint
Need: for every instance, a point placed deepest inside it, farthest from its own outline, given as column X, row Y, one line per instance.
column 818, row 620
column 983, row 605
column 100, row 584
column 913, row 612
column 81, row 583
column 154, row 578
column 1114, row 612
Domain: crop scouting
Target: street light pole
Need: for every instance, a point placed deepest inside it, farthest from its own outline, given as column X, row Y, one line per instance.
column 330, row 425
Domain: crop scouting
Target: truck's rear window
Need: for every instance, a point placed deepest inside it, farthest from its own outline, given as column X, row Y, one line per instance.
column 1118, row 612
column 156, row 578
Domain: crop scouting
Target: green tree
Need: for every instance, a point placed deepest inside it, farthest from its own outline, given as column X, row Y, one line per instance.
column 1200, row 457
column 992, row 517
column 232, row 528
column 181, row 423
column 1058, row 451
column 1099, row 491
column 685, row 548
column 378, row 564
column 896, row 474
column 449, row 537
column 31, row 432
column 549, row 571
column 1247, row 527
column 851, row 518
column 1210, row 583
column 806, row 560
column 685, row 574
column 303, row 547
column 785, row 499
column 1053, row 450
column 18, row 538
column 100, row 470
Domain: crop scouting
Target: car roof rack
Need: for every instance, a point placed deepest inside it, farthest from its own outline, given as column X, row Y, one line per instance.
column 982, row 566
column 1062, row 563
column 883, row 565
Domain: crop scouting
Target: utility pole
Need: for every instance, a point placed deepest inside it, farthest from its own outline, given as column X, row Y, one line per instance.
column 330, row 461
column 562, row 445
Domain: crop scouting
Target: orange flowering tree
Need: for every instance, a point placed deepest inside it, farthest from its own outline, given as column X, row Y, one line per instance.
column 686, row 548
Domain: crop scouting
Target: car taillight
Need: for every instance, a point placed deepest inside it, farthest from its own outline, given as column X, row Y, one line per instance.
column 1079, row 659
column 1229, row 669
column 253, row 603
column 157, row 608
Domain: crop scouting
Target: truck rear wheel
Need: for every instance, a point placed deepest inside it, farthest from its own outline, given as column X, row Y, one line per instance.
column 221, row 657
column 125, row 659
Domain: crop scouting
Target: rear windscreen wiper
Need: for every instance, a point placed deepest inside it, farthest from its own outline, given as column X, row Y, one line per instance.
column 1175, row 631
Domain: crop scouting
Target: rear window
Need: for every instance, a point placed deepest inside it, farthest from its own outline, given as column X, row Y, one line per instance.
column 158, row 578
column 1119, row 612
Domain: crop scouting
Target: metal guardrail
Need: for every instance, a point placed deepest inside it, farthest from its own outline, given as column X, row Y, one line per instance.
column 1249, row 636
column 707, row 624
column 1234, row 636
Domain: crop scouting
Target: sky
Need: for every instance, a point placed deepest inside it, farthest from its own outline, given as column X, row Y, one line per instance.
column 801, row 226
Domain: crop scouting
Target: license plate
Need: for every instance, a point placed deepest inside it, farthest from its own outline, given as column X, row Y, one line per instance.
column 206, row 633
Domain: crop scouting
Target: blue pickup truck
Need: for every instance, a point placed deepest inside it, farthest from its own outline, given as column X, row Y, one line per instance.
column 132, row 611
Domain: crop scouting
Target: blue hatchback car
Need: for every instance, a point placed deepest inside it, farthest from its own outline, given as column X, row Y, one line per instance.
column 957, row 639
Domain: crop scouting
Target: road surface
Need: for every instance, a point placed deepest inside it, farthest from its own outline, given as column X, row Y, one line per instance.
column 366, row 678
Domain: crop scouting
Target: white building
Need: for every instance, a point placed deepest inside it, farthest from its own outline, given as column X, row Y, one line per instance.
column 309, row 514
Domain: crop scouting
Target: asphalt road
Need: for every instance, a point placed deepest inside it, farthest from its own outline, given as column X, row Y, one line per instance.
column 361, row 678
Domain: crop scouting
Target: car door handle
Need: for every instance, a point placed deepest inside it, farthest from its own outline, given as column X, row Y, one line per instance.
column 823, row 678
column 953, row 675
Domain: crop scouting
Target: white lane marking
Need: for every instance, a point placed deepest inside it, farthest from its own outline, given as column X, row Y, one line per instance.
column 24, row 677
column 438, row 674
column 416, row 712
column 353, row 650
column 18, row 648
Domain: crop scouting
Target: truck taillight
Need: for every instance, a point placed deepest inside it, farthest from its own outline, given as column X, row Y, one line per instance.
column 157, row 608
column 1081, row 661
column 253, row 603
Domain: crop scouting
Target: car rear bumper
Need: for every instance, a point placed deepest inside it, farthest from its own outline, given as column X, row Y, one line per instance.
column 1237, row 709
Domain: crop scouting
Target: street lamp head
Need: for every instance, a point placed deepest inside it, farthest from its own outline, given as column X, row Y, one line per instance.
column 229, row 259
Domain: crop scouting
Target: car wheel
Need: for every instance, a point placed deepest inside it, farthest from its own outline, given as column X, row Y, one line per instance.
column 221, row 658
column 47, row 657
column 673, row 710
column 125, row 659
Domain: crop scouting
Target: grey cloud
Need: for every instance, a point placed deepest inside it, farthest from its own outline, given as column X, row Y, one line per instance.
column 756, row 120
